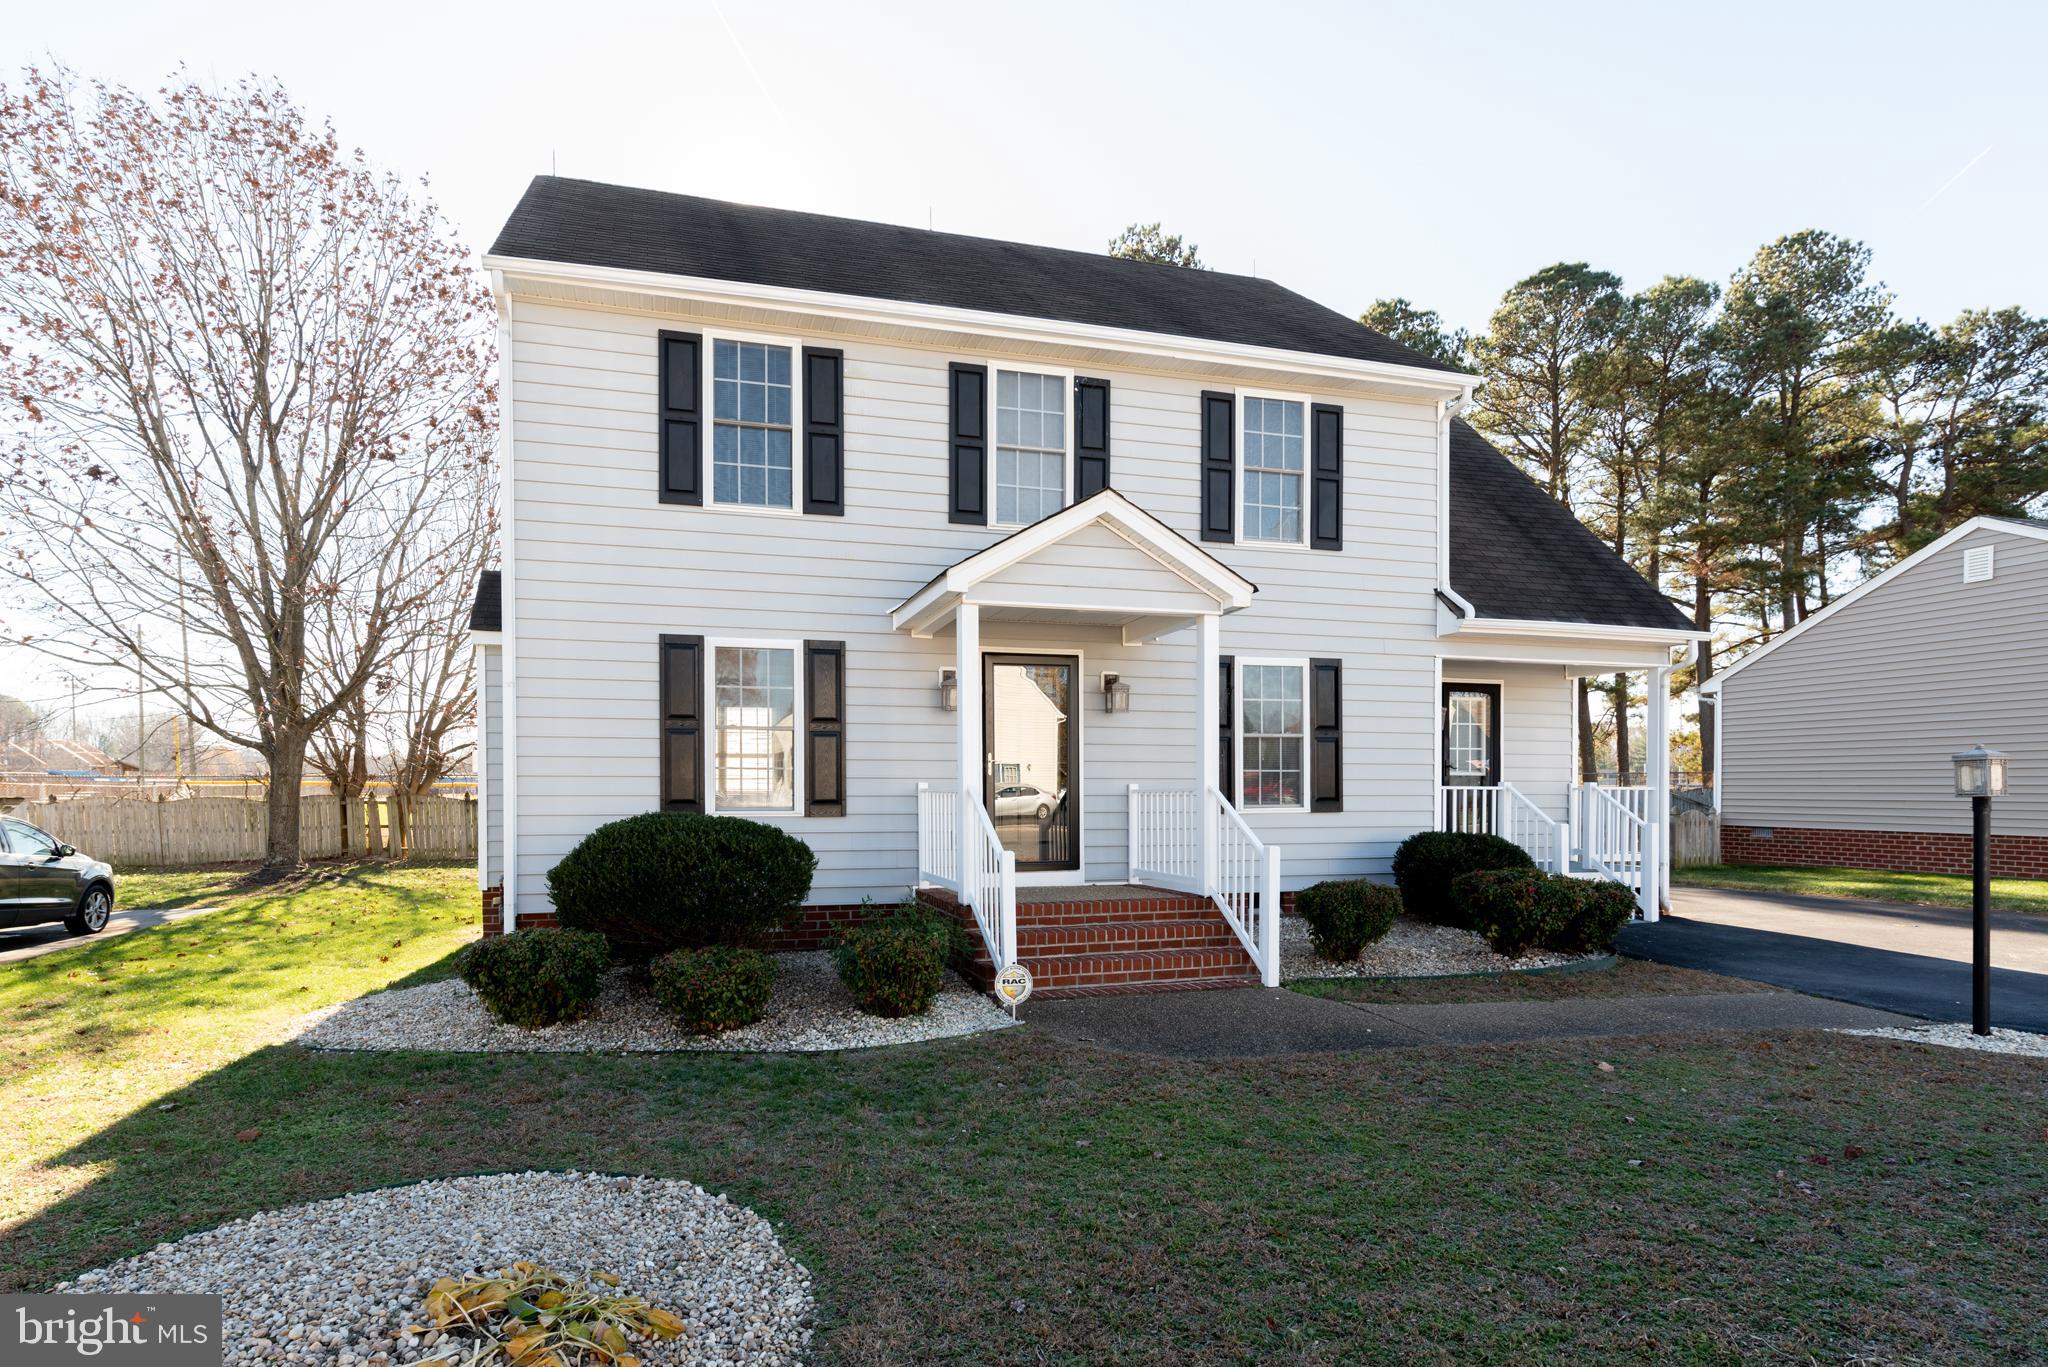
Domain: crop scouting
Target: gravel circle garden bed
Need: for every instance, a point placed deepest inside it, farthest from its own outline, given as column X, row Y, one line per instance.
column 1411, row 949
column 1955, row 1035
column 810, row 1011
column 338, row 1281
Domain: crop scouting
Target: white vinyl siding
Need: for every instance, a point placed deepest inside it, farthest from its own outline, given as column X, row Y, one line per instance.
column 1850, row 725
column 491, row 761
column 601, row 568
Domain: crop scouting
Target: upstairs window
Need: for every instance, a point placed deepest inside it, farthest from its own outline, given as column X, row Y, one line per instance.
column 1031, row 447
column 1273, row 470
column 752, row 444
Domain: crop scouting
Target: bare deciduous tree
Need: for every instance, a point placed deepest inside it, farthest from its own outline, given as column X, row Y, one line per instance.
column 245, row 374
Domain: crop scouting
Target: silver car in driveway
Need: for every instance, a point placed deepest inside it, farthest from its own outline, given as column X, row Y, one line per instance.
column 44, row 879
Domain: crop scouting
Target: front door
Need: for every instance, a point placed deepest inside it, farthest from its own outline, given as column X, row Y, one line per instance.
column 1031, row 778
column 1471, row 751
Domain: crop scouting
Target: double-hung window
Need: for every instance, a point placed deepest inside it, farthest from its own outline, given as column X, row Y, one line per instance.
column 753, row 443
column 1274, row 460
column 754, row 708
column 1273, row 754
column 1031, row 446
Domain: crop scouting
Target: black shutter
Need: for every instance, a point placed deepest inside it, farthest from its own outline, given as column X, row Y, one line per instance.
column 967, row 469
column 1219, row 466
column 1226, row 727
column 825, row 721
column 682, row 723
column 1091, row 437
column 1326, row 735
column 679, row 405
column 824, row 432
column 1326, row 473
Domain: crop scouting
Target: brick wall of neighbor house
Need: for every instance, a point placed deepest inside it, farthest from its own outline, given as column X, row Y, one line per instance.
column 2012, row 856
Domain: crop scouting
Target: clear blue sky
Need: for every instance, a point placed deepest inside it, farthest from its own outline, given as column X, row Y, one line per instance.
column 1349, row 151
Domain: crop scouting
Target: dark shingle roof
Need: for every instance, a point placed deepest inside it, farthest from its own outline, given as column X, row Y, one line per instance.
column 591, row 224
column 1517, row 552
column 487, row 612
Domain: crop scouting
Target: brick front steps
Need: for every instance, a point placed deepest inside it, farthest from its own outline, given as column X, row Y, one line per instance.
column 1083, row 944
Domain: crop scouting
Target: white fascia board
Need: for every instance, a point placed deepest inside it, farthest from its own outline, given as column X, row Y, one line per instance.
column 480, row 637
column 1594, row 631
column 1006, row 326
column 1926, row 552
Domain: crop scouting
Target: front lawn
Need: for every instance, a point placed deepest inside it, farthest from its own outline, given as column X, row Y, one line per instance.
column 1933, row 889
column 1007, row 1198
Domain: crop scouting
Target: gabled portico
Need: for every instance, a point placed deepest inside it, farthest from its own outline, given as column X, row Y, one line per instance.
column 1102, row 563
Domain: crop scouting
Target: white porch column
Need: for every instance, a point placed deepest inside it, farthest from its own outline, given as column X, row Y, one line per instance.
column 967, row 666
column 1208, row 722
column 1657, row 780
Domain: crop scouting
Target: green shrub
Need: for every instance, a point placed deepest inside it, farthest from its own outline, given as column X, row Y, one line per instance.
column 715, row 989
column 1345, row 916
column 1428, row 860
column 954, row 943
column 1515, row 909
column 532, row 978
column 677, row 880
column 1594, row 913
column 894, row 966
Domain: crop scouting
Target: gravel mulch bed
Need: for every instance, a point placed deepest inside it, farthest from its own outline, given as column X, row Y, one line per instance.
column 334, row 1282
column 809, row 1011
column 1954, row 1035
column 1410, row 949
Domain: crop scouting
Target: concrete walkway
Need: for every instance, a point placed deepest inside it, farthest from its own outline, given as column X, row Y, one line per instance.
column 1262, row 1022
column 1887, row 955
column 29, row 942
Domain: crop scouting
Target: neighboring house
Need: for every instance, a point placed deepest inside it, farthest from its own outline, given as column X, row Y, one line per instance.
column 783, row 493
column 1835, row 738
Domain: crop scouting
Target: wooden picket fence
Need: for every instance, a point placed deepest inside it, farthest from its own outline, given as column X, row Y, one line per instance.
column 141, row 832
column 1695, row 839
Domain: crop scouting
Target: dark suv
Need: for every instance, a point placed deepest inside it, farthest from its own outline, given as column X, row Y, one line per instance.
column 43, row 879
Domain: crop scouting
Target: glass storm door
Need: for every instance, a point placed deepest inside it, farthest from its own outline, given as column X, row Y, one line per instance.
column 1471, row 751
column 1031, row 776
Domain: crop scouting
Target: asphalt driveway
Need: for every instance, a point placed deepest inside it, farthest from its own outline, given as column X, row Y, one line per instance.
column 1910, row 959
column 28, row 942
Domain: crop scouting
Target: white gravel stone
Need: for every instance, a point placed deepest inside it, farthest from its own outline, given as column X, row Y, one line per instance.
column 809, row 1011
column 337, row 1280
column 1410, row 949
column 1954, row 1035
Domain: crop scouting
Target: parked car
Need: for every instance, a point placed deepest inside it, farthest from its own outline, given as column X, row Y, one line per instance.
column 1021, row 799
column 44, row 879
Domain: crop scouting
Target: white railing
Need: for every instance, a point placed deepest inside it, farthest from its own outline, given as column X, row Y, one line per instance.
column 1166, row 837
column 1247, row 889
column 938, row 835
column 1619, row 844
column 1505, row 810
column 1634, row 801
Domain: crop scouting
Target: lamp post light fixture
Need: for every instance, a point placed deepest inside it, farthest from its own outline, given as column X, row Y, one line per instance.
column 1980, row 776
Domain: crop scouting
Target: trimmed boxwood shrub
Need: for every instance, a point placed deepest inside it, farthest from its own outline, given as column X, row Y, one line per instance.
column 1345, row 916
column 715, row 989
column 894, row 966
column 1594, row 914
column 678, row 880
column 1515, row 909
column 1428, row 860
column 532, row 978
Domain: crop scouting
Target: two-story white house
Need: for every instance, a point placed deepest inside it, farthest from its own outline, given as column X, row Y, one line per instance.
column 1094, row 593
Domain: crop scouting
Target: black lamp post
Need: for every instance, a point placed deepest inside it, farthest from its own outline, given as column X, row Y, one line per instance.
column 1980, row 776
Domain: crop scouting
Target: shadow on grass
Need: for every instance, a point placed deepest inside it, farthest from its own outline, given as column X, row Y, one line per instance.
column 1003, row 1197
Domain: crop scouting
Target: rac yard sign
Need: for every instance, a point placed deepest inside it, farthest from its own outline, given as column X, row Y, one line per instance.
column 113, row 1331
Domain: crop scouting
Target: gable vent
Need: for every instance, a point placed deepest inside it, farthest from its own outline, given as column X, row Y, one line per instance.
column 1977, row 564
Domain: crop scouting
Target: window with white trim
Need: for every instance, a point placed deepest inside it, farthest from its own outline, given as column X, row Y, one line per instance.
column 1272, row 748
column 1031, row 446
column 1274, row 463
column 752, row 440
column 754, row 711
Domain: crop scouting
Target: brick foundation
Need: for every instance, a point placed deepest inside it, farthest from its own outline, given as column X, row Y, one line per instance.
column 2012, row 856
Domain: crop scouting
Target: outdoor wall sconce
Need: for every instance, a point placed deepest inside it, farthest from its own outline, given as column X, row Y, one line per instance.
column 1116, row 694
column 949, row 690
